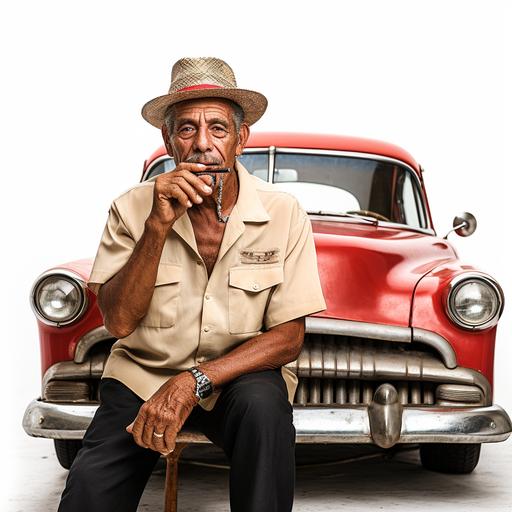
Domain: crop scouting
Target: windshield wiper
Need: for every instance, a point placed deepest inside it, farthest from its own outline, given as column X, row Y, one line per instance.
column 371, row 220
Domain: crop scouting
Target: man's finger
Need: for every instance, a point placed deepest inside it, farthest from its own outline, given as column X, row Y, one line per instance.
column 201, row 185
column 137, row 429
column 159, row 438
column 147, row 435
column 170, row 439
column 188, row 189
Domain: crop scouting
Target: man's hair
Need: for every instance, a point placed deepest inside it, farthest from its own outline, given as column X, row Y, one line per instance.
column 238, row 116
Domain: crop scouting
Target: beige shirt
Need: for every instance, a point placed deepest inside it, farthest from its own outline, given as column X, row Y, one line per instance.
column 265, row 274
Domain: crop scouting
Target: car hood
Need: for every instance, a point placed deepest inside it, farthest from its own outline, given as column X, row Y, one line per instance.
column 369, row 272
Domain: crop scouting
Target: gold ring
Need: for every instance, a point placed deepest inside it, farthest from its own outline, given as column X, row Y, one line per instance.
column 157, row 435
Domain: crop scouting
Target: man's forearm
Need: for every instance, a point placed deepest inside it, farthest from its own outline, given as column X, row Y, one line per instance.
column 271, row 349
column 124, row 299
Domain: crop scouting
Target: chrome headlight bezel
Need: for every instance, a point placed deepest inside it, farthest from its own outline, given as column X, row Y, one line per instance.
column 75, row 280
column 456, row 283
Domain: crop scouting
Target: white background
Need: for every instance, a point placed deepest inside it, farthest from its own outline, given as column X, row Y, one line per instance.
column 433, row 77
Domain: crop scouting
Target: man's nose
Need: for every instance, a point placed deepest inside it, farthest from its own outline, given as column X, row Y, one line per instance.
column 203, row 140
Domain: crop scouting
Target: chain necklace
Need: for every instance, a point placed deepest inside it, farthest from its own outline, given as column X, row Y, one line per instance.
column 218, row 199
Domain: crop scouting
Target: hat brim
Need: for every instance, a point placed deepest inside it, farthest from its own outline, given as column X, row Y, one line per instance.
column 253, row 103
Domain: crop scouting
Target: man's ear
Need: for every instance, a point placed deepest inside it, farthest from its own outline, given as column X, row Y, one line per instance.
column 243, row 137
column 167, row 139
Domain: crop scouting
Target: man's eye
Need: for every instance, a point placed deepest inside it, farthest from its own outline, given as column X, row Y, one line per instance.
column 219, row 129
column 185, row 131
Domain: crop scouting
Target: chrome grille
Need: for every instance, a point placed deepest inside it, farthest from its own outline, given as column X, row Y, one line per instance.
column 315, row 391
column 335, row 369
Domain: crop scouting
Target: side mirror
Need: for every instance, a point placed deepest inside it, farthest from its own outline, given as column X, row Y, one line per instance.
column 464, row 224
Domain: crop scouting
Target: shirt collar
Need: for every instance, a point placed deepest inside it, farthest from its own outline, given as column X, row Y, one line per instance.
column 248, row 208
column 249, row 204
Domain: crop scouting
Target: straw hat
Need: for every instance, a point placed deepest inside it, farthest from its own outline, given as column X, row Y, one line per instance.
column 204, row 77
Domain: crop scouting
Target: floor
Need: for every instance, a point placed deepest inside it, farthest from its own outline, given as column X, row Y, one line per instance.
column 329, row 478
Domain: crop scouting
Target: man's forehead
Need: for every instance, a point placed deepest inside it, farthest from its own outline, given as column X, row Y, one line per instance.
column 209, row 106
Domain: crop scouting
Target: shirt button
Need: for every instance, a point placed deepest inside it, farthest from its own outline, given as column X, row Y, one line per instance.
column 255, row 286
column 207, row 297
column 206, row 329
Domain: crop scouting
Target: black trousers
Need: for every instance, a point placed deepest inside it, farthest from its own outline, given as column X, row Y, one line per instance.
column 252, row 422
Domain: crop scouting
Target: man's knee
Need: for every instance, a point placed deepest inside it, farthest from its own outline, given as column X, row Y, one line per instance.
column 261, row 399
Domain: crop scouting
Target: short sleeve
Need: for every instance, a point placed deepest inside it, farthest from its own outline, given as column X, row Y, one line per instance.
column 300, row 293
column 116, row 247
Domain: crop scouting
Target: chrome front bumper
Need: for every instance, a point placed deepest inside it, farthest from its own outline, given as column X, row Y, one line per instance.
column 344, row 424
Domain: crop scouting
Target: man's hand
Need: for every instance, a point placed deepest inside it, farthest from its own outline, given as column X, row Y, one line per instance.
column 177, row 191
column 165, row 413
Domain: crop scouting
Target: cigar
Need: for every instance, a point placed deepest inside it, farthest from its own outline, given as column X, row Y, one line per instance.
column 223, row 170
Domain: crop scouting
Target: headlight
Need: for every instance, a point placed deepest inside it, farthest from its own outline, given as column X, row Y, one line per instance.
column 58, row 297
column 474, row 301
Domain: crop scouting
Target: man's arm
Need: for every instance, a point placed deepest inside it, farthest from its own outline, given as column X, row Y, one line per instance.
column 272, row 349
column 124, row 299
column 167, row 410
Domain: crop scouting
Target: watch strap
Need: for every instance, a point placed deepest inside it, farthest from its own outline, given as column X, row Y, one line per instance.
column 204, row 386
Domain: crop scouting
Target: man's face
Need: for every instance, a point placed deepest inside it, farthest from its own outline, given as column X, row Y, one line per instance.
column 204, row 132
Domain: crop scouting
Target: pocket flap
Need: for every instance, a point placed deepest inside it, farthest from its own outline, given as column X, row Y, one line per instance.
column 168, row 273
column 255, row 279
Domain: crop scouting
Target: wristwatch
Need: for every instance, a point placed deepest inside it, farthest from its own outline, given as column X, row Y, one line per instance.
column 204, row 386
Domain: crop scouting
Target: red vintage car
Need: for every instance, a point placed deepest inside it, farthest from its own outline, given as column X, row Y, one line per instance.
column 403, row 353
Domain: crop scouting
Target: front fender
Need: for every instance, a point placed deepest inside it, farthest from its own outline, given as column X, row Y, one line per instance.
column 473, row 348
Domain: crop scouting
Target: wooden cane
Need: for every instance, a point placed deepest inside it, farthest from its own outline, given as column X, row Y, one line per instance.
column 171, row 478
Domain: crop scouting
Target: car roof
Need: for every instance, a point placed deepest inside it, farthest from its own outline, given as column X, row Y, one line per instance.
column 319, row 141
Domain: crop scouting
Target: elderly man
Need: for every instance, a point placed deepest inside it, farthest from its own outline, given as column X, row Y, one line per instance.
column 205, row 278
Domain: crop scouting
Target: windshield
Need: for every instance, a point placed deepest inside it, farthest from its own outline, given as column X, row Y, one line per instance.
column 325, row 184
column 342, row 184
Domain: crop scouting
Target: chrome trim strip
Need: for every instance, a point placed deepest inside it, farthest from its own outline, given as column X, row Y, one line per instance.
column 313, row 424
column 367, row 156
column 86, row 342
column 315, row 325
column 335, row 326
column 439, row 343
column 475, row 276
column 59, row 272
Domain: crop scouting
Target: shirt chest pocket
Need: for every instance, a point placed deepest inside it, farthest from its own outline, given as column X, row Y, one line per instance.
column 248, row 294
column 163, row 308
